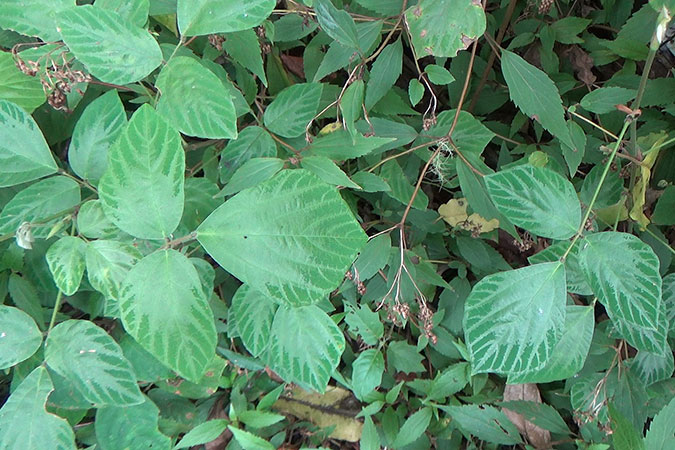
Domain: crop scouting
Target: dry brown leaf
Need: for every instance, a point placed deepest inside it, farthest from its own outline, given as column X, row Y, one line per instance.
column 582, row 64
column 535, row 435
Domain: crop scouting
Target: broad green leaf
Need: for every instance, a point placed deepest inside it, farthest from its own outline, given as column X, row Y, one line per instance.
column 661, row 434
column 624, row 435
column 112, row 49
column 439, row 75
column 24, row 154
column 66, row 263
column 200, row 201
column 536, row 95
column 164, row 308
column 252, row 173
column 470, row 135
column 195, row 101
column 259, row 419
column 36, row 19
column 340, row 146
column 24, row 422
column 403, row 357
column 292, row 237
column 20, row 338
column 485, row 422
column 364, row 322
column 373, row 257
column 385, row 8
column 450, row 381
column 444, row 27
column 540, row 414
column 623, row 273
column 244, row 47
column 367, row 372
column 25, row 297
column 142, row 188
column 93, row 362
column 664, row 212
column 414, row 427
column 574, row 155
column 96, row 130
column 610, row 191
column 370, row 440
column 513, row 320
column 292, row 109
column 130, row 427
column 337, row 23
column 369, row 182
column 351, row 105
column 567, row 29
column 401, row 189
column 92, row 221
column 17, row 87
column 201, row 17
column 202, row 433
column 328, row 171
column 384, row 73
column 569, row 354
column 604, row 100
column 537, row 199
column 252, row 142
column 576, row 281
column 651, row 368
column 145, row 366
column 305, row 346
column 249, row 441
column 41, row 204
column 252, row 314
column 108, row 263
column 133, row 11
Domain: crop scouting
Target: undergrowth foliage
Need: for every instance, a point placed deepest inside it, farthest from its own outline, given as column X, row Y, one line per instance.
column 352, row 224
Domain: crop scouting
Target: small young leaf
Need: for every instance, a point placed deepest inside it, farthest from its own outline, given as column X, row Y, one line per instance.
column 369, row 182
column 401, row 189
column 339, row 146
column 249, row 441
column 252, row 142
column 414, row 427
column 404, row 357
column 244, row 47
column 369, row 437
column 485, row 422
column 252, row 173
column 20, row 337
column 202, row 433
column 351, row 105
column 201, row 17
column 384, row 73
column 338, row 24
column 438, row 75
column 292, row 109
column 328, row 171
column 604, row 100
column 415, row 91
column 66, row 263
column 367, row 372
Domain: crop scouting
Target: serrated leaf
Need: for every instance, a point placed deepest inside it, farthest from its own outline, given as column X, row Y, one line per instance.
column 25, row 297
column 328, row 171
column 604, row 100
column 624, row 435
column 485, row 422
column 576, row 281
column 401, row 189
column 66, row 263
column 610, row 191
column 415, row 91
column 364, row 322
column 252, row 173
column 535, row 95
column 195, row 101
column 384, row 73
column 292, row 237
column 39, row 203
column 163, row 307
column 96, row 130
column 338, row 24
column 201, row 17
column 108, row 263
column 292, row 109
column 202, row 433
column 252, row 313
column 252, row 142
column 113, row 50
column 249, row 441
column 651, row 368
column 444, row 27
column 38, row 19
column 367, row 372
column 305, row 346
column 537, row 199
column 514, row 319
column 404, row 357
column 20, row 337
column 369, row 182
column 540, row 414
column 93, row 362
column 574, row 155
column 351, row 105
column 130, row 427
column 623, row 273
column 244, row 47
column 413, row 427
column 340, row 146
column 142, row 188
column 24, row 154
column 17, row 87
column 661, row 434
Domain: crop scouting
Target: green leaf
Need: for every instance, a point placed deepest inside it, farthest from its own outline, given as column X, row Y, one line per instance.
column 92, row 221
column 485, row 422
column 39, row 203
column 367, row 372
column 66, row 263
column 130, row 427
column 337, row 24
column 24, row 154
column 610, row 191
column 604, row 100
column 195, row 101
column 664, row 212
column 401, row 189
column 444, row 27
column 661, row 434
column 142, row 188
column 351, row 105
column 38, row 19
column 340, row 146
column 370, row 440
column 514, row 319
column 305, row 346
column 439, row 75
column 328, row 171
column 414, row 427
column 25, row 297
column 17, row 87
column 108, row 263
column 373, row 257
column 537, row 199
column 369, row 182
column 623, row 273
column 292, row 109
column 540, row 414
column 470, row 136
column 244, row 47
column 252, row 142
column 364, row 322
column 20, row 337
column 96, row 130
column 259, row 419
column 252, row 314
column 536, row 95
column 450, row 381
column 651, row 368
column 292, row 237
column 576, row 281
column 384, row 73
column 249, row 441
column 163, row 307
column 624, row 436
column 93, row 362
column 415, row 91
column 567, row 29
column 133, row 11
column 252, row 173
column 201, row 17
column 404, row 357
column 24, row 422
column 574, row 155
column 202, row 433
column 112, row 49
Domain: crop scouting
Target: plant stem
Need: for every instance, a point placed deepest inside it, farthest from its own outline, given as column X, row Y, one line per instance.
column 181, row 240
column 57, row 306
